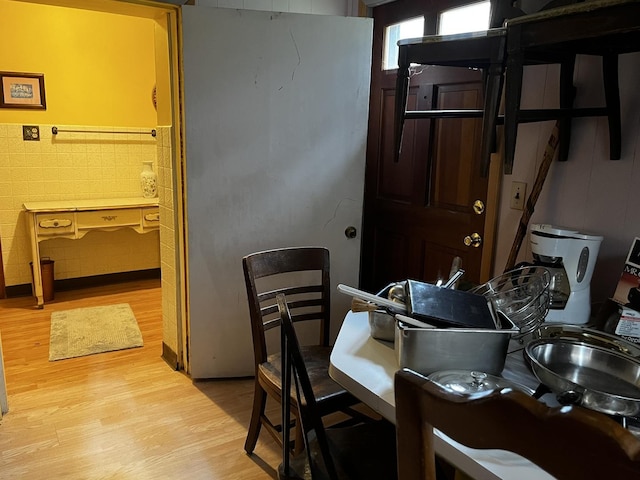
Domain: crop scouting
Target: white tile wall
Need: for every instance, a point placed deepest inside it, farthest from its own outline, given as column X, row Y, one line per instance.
column 170, row 292
column 73, row 166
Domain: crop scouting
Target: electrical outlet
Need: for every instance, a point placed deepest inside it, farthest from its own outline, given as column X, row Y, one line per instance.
column 518, row 195
column 31, row 133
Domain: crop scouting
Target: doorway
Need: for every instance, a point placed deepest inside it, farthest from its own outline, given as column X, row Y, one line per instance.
column 158, row 25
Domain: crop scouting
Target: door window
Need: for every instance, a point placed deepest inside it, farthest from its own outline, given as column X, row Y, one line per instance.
column 411, row 28
column 467, row 18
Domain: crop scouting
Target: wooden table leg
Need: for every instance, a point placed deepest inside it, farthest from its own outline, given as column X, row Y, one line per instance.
column 36, row 283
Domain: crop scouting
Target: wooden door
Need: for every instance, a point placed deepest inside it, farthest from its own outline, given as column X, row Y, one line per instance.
column 419, row 209
column 275, row 158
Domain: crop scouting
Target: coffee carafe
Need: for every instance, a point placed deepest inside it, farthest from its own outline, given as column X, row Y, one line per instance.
column 570, row 257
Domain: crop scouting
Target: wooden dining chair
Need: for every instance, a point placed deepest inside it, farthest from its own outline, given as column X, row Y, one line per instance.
column 480, row 50
column 302, row 273
column 360, row 450
column 603, row 28
column 555, row 34
column 570, row 443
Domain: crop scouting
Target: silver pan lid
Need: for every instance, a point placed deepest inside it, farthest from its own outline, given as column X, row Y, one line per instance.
column 471, row 381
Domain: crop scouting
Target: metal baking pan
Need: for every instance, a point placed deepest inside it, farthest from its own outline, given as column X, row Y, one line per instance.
column 427, row 350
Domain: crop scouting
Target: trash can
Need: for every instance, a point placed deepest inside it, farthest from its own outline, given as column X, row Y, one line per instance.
column 46, row 271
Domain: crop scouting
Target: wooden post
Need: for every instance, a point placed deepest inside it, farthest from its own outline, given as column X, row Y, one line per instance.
column 547, row 158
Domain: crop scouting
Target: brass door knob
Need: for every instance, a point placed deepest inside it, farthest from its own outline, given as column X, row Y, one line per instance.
column 478, row 207
column 473, row 240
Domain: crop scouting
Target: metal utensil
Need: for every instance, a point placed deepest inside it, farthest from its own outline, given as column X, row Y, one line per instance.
column 413, row 322
column 453, row 279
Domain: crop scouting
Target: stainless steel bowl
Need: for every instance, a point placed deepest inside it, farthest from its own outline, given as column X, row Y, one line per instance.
column 594, row 377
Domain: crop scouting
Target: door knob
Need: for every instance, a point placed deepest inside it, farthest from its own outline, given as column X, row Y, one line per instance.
column 350, row 232
column 478, row 207
column 473, row 240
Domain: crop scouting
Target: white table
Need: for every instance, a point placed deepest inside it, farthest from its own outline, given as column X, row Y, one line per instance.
column 73, row 219
column 366, row 368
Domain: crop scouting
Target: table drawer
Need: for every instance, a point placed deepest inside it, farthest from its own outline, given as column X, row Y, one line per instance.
column 123, row 217
column 151, row 217
column 54, row 224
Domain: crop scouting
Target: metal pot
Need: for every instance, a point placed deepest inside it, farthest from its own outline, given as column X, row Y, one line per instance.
column 427, row 350
column 591, row 376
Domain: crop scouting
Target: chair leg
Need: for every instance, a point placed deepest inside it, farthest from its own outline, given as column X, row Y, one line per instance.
column 493, row 92
column 257, row 412
column 402, row 89
column 612, row 96
column 567, row 96
column 513, row 90
column 298, row 445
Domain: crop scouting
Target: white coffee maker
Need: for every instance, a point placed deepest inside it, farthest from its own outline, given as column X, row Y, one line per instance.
column 570, row 256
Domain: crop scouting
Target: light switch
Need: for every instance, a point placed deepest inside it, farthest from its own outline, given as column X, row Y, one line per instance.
column 518, row 195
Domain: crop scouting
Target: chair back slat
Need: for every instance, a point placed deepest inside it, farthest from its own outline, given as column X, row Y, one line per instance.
column 300, row 273
column 570, row 443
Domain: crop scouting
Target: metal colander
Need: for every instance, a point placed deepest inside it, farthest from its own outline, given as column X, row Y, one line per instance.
column 521, row 294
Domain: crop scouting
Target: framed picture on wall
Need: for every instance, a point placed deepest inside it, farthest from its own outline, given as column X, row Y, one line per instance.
column 22, row 90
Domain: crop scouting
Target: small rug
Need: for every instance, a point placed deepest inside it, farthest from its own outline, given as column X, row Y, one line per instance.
column 86, row 331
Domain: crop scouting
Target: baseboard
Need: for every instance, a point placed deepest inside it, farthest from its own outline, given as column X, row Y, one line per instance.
column 170, row 356
column 24, row 290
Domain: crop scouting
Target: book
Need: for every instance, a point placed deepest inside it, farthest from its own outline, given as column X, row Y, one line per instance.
column 627, row 291
column 629, row 325
column 444, row 307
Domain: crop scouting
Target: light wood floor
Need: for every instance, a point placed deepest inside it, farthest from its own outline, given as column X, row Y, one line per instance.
column 118, row 415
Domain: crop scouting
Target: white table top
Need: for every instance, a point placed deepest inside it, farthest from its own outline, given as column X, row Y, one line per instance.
column 89, row 204
column 366, row 367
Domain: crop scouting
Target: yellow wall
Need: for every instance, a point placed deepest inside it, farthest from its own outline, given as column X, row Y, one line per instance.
column 99, row 68
column 99, row 72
